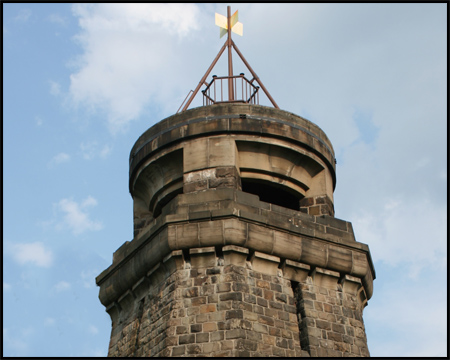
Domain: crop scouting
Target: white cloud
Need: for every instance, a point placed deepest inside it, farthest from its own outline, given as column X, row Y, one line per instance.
column 57, row 19
column 59, row 159
column 49, row 321
column 93, row 330
column 34, row 253
column 55, row 88
column 88, row 278
column 400, row 316
column 106, row 150
column 128, row 53
column 16, row 344
column 6, row 287
column 23, row 15
column 402, row 233
column 91, row 150
column 76, row 217
column 38, row 120
column 89, row 201
column 62, row 286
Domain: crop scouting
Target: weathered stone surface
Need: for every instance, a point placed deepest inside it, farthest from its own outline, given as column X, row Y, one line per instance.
column 217, row 271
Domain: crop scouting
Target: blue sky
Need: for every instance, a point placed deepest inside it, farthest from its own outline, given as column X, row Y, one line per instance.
column 82, row 82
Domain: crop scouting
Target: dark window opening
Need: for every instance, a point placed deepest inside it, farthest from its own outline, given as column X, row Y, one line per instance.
column 272, row 193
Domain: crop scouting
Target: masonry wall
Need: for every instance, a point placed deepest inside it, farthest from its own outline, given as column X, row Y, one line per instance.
column 330, row 321
column 212, row 302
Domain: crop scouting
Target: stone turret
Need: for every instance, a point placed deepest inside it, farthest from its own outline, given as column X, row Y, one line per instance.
column 236, row 250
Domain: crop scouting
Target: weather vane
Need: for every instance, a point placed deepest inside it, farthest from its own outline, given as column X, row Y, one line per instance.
column 227, row 25
column 222, row 22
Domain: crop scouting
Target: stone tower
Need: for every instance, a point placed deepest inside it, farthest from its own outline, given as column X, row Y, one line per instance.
column 236, row 250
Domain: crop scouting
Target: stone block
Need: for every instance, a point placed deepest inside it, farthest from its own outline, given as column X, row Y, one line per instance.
column 126, row 301
column 210, row 233
column 193, row 349
column 262, row 302
column 276, row 287
column 203, row 257
column 235, row 255
column 222, row 151
column 244, row 288
column 246, row 344
column 223, row 287
column 181, row 330
column 186, row 235
column 207, row 308
column 209, row 326
column 326, row 278
column 235, row 334
column 339, row 234
column 260, row 238
column 237, row 296
column 174, row 261
column 178, row 350
column 195, row 155
column 186, row 339
column 260, row 328
column 296, row 271
column 202, row 337
column 266, row 320
column 234, row 232
column 276, row 351
column 333, row 222
column 322, row 324
column 234, row 314
column 264, row 263
column 200, row 318
column 217, row 335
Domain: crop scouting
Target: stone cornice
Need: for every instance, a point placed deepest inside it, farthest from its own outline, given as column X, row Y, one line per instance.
column 323, row 241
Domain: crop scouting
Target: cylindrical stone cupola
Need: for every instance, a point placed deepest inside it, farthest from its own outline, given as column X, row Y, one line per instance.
column 280, row 157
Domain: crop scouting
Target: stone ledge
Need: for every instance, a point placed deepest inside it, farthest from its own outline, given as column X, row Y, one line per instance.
column 203, row 257
column 265, row 263
column 233, row 254
column 298, row 225
column 349, row 258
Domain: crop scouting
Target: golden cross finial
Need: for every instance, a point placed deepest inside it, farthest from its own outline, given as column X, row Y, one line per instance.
column 236, row 26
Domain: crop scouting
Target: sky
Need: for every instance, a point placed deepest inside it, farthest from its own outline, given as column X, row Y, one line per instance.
column 82, row 82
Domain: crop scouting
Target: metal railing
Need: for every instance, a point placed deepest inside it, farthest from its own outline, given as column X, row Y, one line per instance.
column 243, row 90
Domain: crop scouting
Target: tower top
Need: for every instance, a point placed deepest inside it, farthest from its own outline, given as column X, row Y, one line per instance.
column 239, row 88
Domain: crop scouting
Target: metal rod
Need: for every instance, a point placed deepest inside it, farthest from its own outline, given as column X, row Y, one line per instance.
column 184, row 101
column 205, row 76
column 230, row 62
column 254, row 75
